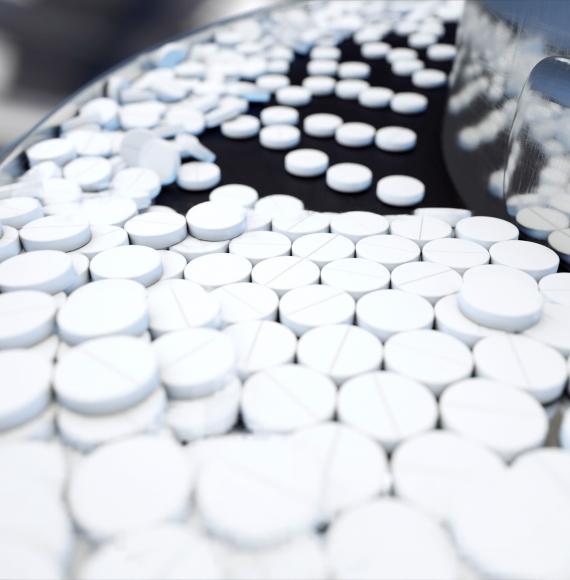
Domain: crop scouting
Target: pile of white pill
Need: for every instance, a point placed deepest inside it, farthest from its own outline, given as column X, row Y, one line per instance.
column 257, row 389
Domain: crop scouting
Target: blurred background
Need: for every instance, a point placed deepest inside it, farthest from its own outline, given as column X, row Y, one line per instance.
column 50, row 48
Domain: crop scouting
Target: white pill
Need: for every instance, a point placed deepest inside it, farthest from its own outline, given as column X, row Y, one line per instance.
column 388, row 250
column 59, row 151
column 267, row 479
column 242, row 127
column 387, row 406
column 500, row 297
column 323, row 248
column 401, row 53
column 430, row 280
column 244, row 301
column 408, row 103
column 306, row 162
column 539, row 222
column 104, row 238
column 293, row 96
column 285, row 273
column 429, row 78
column 279, row 137
column 356, row 225
column 388, row 312
column 258, row 246
column 9, row 243
column 26, row 318
column 109, row 211
column 395, row 140
column 353, row 467
column 355, row 134
column 438, row 469
column 157, row 230
column 103, row 308
column 353, row 70
column 355, row 276
column 322, row 67
column 406, row 67
column 242, row 195
column 400, row 190
column 486, row 230
column 216, row 221
column 441, row 52
column 564, row 433
column 451, row 215
column 325, row 52
column 198, row 176
column 353, row 540
column 190, row 119
column 439, row 359
column 309, row 307
column 461, row 255
column 147, row 476
column 278, row 400
column 420, row 40
column 27, row 377
column 374, row 50
column 90, row 173
column 321, row 125
column 319, row 86
column 137, row 263
column 272, row 82
column 559, row 240
column 279, row 204
column 58, row 232
column 420, row 229
column 214, row 270
column 523, row 362
column 279, row 115
column 497, row 415
column 350, row 89
column 18, row 211
column 349, row 177
column 137, row 181
column 305, row 222
column 556, row 288
column 534, row 259
column 106, row 375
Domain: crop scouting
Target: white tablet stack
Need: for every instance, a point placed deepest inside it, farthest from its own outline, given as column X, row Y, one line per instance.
column 257, row 389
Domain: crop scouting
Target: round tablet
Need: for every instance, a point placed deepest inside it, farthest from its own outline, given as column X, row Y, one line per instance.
column 429, row 78
column 401, row 53
column 437, row 469
column 242, row 127
column 523, row 362
column 280, row 137
column 285, row 273
column 322, row 67
column 355, row 276
column 300, row 224
column 214, row 221
column 109, row 210
column 349, row 177
column 90, row 173
column 277, row 400
column 27, row 317
column 369, row 541
column 244, row 301
column 60, row 151
column 321, row 125
column 500, row 297
column 106, row 375
column 450, row 215
column 438, row 359
column 323, row 248
column 306, row 162
column 388, row 250
column 427, row 279
column 325, row 52
column 319, row 85
column 408, row 103
column 496, row 415
column 461, row 255
column 148, row 477
column 356, row 225
column 261, row 345
column 180, row 304
column 279, row 115
column 173, row 265
column 18, row 211
column 9, row 243
column 534, row 259
column 355, row 134
column 559, row 240
column 279, row 204
column 215, row 270
column 157, row 230
column 135, row 181
column 191, row 247
column 388, row 312
column 185, row 359
column 272, row 82
column 375, row 97
column 340, row 351
column 103, row 308
column 441, row 52
column 198, row 176
column 556, row 288
column 486, row 231
column 258, row 246
column 242, row 195
column 420, row 229
column 350, row 89
column 27, row 378
column 400, row 190
column 104, row 238
column 309, row 307
column 137, row 263
column 353, row 467
column 387, row 406
column 353, row 70
column 293, row 96
column 374, row 50
column 396, row 140
column 57, row 232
